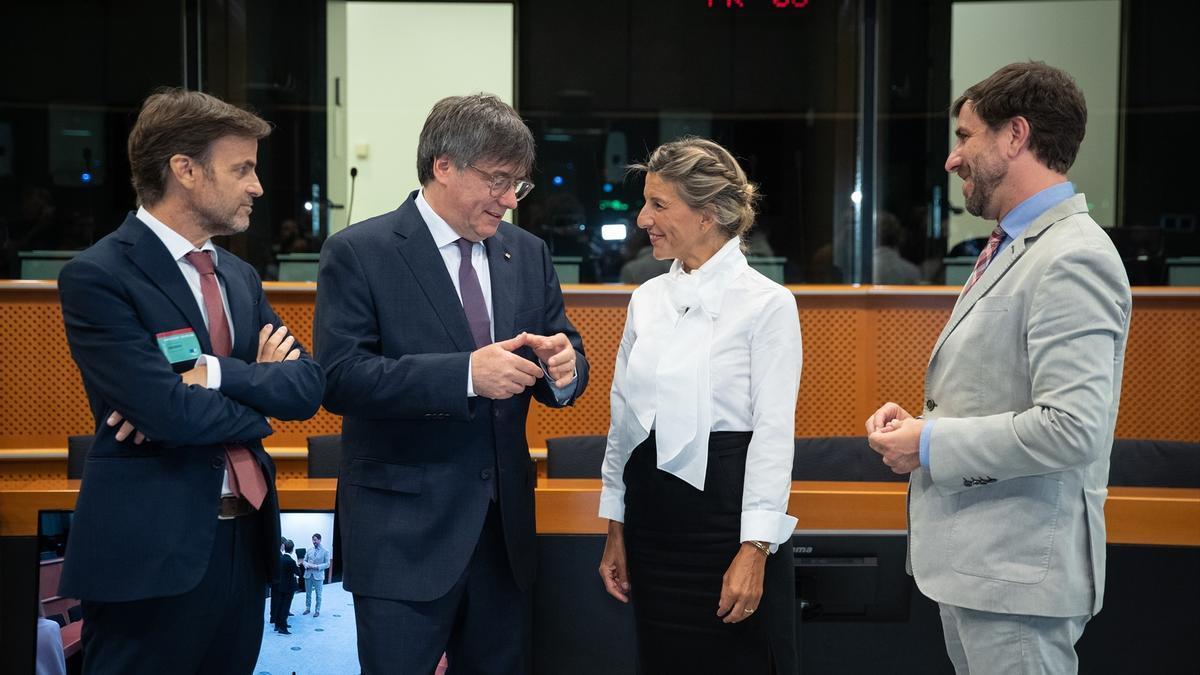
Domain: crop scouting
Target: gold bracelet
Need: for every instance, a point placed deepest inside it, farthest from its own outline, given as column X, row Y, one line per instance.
column 762, row 546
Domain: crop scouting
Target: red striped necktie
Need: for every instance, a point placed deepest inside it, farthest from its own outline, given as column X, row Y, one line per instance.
column 985, row 257
column 245, row 475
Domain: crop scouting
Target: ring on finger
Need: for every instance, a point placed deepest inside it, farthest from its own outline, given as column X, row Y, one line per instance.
column 749, row 611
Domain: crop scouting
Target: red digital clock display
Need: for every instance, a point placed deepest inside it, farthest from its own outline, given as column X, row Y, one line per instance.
column 741, row 4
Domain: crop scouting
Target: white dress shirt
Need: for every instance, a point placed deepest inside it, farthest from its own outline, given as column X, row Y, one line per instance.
column 179, row 246
column 445, row 238
column 49, row 659
column 717, row 349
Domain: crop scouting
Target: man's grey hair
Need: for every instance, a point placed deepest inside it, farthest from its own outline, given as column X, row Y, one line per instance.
column 469, row 129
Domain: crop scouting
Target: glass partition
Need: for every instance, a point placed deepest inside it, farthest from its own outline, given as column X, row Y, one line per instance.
column 838, row 108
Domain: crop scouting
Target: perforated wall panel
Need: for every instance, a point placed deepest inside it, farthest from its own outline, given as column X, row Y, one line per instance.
column 903, row 341
column 296, row 310
column 1160, row 392
column 41, row 392
column 601, row 329
column 860, row 349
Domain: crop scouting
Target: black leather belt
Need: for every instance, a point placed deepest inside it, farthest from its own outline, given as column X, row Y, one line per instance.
column 232, row 507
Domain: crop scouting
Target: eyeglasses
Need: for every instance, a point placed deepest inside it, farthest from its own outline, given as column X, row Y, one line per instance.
column 499, row 184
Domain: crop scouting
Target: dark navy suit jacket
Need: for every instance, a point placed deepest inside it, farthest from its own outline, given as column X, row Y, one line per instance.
column 419, row 456
column 146, row 516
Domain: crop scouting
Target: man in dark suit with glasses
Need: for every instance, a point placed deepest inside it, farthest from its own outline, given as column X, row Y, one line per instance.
column 436, row 323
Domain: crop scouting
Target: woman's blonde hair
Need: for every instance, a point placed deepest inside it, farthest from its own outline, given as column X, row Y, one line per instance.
column 707, row 178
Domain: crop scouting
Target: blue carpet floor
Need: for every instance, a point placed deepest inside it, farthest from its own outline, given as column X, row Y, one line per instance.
column 325, row 645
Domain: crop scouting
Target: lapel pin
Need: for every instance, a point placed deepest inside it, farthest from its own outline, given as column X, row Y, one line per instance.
column 507, row 255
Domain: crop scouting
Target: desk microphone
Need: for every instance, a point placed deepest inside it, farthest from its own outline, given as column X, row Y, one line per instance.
column 350, row 206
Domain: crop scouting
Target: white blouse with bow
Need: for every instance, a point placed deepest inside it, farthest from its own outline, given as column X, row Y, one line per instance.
column 717, row 349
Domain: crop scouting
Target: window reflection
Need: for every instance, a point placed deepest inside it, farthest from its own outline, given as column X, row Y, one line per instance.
column 780, row 90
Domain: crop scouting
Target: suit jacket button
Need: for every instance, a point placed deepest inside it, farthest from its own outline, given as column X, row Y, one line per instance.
column 486, row 474
column 930, row 405
column 218, row 462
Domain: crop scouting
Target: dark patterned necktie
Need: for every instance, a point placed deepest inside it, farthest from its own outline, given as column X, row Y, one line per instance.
column 472, row 297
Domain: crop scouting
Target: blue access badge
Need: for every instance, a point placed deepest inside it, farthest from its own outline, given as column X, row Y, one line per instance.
column 180, row 347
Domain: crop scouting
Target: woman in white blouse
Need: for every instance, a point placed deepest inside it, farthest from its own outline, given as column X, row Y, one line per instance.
column 699, row 459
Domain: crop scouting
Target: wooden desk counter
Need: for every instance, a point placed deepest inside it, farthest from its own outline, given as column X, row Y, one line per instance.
column 1156, row 516
column 1151, row 516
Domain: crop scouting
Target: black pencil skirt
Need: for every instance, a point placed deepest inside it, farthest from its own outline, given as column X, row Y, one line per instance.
column 679, row 543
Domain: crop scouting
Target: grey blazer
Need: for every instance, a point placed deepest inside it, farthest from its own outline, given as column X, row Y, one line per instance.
column 316, row 556
column 1024, row 382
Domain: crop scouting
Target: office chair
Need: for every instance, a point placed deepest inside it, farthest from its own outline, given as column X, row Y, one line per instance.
column 574, row 456
column 77, row 451
column 324, row 455
column 846, row 458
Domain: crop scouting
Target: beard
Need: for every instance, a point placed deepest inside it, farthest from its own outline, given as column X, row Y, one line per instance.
column 219, row 209
column 986, row 176
column 215, row 229
column 221, row 220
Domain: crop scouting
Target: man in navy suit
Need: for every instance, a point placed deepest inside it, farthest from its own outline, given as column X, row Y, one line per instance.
column 436, row 323
column 176, row 529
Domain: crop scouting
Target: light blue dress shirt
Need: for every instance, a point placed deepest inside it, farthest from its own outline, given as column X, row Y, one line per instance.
column 1014, row 225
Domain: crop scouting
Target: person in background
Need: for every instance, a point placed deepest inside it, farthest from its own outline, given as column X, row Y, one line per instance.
column 890, row 266
column 298, row 571
column 698, row 467
column 642, row 266
column 316, row 561
column 49, row 658
column 283, row 589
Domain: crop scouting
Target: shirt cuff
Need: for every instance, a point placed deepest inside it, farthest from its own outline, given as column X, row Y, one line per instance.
column 772, row 527
column 213, row 365
column 563, row 394
column 923, row 449
column 612, row 504
column 470, row 380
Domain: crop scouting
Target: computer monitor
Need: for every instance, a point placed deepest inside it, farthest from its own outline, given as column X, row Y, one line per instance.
column 851, row 576
column 1143, row 251
column 54, row 528
column 332, row 635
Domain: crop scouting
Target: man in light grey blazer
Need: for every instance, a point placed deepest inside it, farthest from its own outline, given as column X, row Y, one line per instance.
column 1008, row 462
